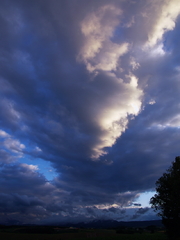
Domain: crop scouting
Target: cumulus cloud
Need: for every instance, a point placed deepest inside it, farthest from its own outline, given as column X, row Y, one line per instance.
column 100, row 53
column 30, row 167
column 98, row 28
column 3, row 134
column 13, row 145
column 165, row 20
column 113, row 117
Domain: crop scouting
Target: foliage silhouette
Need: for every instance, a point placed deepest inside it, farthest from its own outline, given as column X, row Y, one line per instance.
column 166, row 201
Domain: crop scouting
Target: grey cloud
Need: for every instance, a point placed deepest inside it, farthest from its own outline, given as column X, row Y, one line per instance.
column 23, row 179
column 140, row 211
column 137, row 204
column 18, row 203
column 6, row 157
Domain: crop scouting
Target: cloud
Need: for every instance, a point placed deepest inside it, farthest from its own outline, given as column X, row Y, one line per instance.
column 13, row 145
column 140, row 212
column 99, row 52
column 3, row 134
column 112, row 117
column 11, row 203
column 10, row 113
column 12, row 149
column 137, row 204
column 165, row 20
column 30, row 167
column 28, row 197
column 91, row 88
column 23, row 192
column 5, row 157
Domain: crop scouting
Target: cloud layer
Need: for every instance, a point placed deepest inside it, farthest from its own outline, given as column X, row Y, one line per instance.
column 91, row 88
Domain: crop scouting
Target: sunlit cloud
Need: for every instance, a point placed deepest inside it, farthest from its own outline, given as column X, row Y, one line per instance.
column 13, row 145
column 114, row 120
column 165, row 20
column 30, row 167
column 99, row 52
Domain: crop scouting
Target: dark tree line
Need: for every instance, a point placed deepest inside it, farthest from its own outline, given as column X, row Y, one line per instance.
column 166, row 201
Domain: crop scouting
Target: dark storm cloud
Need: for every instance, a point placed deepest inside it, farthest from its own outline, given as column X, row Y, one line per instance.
column 93, row 88
column 140, row 211
column 23, row 179
column 17, row 203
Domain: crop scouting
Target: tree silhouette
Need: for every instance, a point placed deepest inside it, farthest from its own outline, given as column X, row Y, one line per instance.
column 166, row 201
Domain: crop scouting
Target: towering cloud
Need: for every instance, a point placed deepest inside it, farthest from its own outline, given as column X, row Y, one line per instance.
column 102, row 56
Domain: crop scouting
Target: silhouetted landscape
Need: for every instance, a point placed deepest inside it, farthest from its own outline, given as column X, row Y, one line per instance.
column 95, row 230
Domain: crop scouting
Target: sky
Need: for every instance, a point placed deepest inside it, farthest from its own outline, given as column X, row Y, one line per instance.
column 89, row 108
